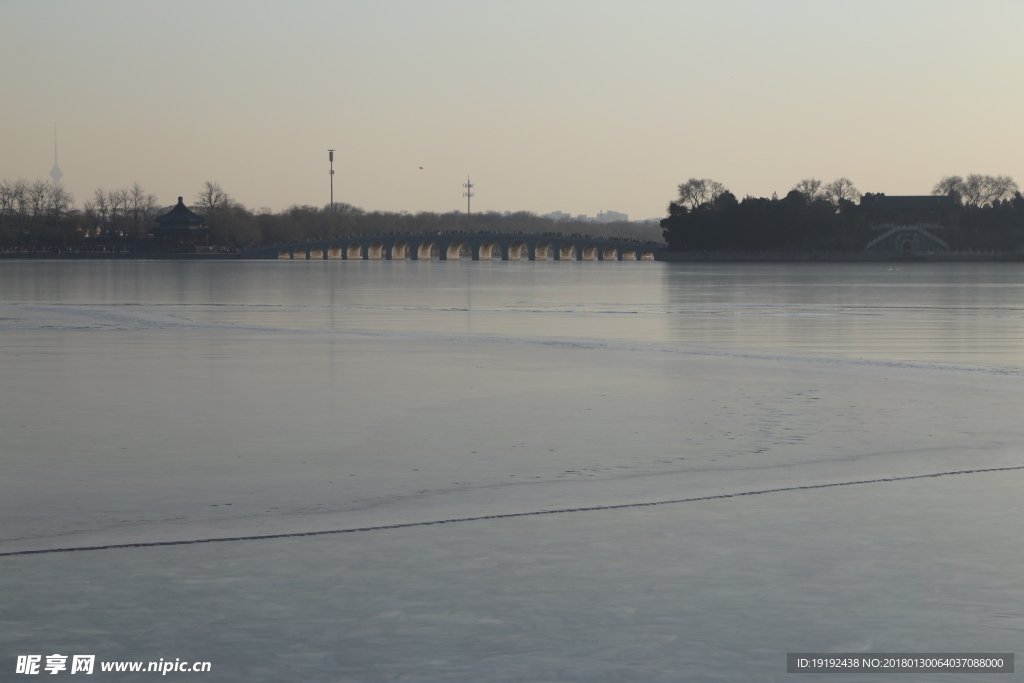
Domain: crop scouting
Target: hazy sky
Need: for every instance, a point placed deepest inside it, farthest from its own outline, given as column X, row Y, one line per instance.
column 555, row 104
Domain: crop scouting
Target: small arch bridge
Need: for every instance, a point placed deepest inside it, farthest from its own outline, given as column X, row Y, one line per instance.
column 451, row 246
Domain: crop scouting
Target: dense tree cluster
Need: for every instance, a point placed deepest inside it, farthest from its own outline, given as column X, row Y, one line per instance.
column 998, row 225
column 41, row 215
column 127, row 212
column 37, row 209
column 811, row 216
column 815, row 216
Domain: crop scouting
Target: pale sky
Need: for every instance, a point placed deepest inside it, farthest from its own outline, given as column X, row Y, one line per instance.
column 579, row 106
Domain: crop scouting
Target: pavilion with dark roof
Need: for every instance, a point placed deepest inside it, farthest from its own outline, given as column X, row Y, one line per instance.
column 180, row 227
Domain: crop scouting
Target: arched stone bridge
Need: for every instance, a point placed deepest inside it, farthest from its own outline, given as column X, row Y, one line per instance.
column 451, row 246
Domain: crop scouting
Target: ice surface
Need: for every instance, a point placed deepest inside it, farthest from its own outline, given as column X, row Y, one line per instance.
column 163, row 433
column 710, row 591
column 149, row 402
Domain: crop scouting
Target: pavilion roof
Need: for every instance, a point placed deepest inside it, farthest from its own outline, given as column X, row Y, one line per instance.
column 180, row 215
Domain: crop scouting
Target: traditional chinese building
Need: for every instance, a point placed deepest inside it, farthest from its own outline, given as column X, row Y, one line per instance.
column 908, row 223
column 180, row 227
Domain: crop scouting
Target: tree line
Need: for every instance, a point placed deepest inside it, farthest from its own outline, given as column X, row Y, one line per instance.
column 41, row 215
column 817, row 216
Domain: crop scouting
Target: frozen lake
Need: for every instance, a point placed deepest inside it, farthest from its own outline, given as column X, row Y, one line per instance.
column 147, row 402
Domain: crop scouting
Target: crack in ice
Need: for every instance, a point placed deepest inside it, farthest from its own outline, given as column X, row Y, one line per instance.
column 509, row 515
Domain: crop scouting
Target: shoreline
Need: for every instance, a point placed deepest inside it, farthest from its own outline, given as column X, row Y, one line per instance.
column 828, row 257
column 107, row 255
column 660, row 255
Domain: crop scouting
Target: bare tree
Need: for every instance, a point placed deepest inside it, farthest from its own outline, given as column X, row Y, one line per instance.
column 810, row 188
column 150, row 210
column 117, row 200
column 982, row 190
column 211, row 198
column 6, row 204
column 16, row 201
column 841, row 190
column 14, row 204
column 950, row 185
column 697, row 191
column 693, row 193
column 21, row 196
column 92, row 215
column 37, row 195
column 60, row 202
column 715, row 189
column 1001, row 188
column 973, row 190
column 102, row 209
column 140, row 207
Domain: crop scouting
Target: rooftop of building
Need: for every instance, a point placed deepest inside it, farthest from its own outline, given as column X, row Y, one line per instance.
column 928, row 202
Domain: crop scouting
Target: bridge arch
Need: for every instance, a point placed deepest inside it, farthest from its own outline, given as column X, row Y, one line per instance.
column 333, row 252
column 375, row 251
column 487, row 250
column 424, row 250
column 542, row 251
column 517, row 250
column 399, row 251
column 566, row 252
column 453, row 250
column 354, row 251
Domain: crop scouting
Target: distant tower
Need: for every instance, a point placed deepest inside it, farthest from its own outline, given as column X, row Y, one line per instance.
column 55, row 172
column 468, row 194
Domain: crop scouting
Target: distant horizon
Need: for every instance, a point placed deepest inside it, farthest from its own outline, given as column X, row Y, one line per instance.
column 191, row 200
column 456, row 209
column 580, row 106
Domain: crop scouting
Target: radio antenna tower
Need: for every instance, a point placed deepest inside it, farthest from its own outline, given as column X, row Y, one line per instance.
column 468, row 194
column 330, row 156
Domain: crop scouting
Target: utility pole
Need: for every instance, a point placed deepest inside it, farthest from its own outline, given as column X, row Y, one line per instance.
column 330, row 155
column 468, row 194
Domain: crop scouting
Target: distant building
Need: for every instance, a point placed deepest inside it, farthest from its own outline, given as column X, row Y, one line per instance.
column 602, row 217
column 907, row 223
column 877, row 210
column 180, row 227
column 612, row 217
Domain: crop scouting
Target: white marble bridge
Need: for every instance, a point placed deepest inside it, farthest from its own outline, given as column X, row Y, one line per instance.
column 455, row 245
